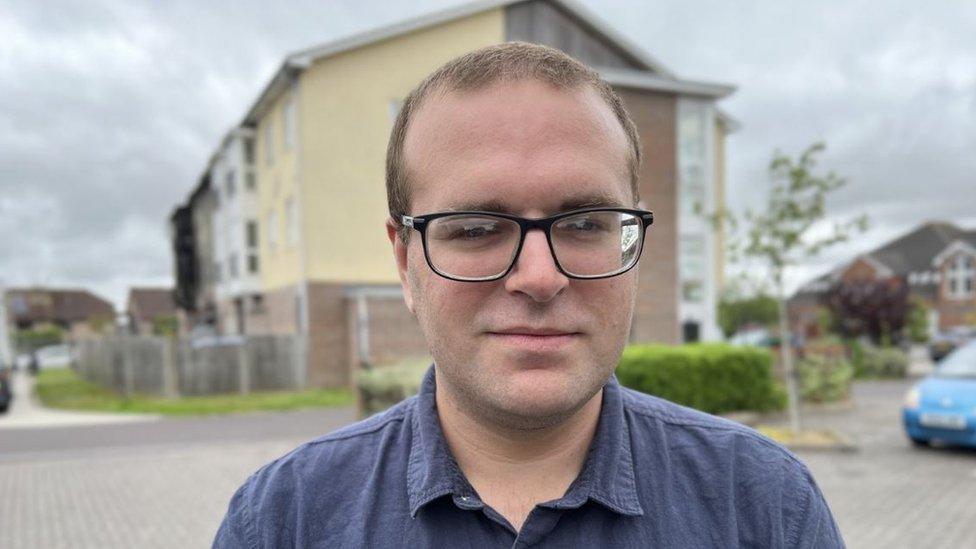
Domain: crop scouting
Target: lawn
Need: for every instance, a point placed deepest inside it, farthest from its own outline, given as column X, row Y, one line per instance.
column 62, row 388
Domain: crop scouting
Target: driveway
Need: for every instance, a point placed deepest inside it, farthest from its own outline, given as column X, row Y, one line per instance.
column 890, row 494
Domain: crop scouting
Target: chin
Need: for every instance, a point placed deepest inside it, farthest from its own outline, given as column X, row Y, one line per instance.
column 539, row 399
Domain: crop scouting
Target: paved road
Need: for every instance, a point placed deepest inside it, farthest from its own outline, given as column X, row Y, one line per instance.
column 157, row 484
column 167, row 483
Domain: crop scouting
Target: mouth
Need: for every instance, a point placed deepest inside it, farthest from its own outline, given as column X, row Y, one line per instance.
column 535, row 339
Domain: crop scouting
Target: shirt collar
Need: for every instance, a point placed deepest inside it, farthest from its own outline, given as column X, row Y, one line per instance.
column 607, row 476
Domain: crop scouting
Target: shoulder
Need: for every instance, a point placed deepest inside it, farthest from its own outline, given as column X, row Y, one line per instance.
column 709, row 458
column 650, row 415
column 318, row 476
column 340, row 452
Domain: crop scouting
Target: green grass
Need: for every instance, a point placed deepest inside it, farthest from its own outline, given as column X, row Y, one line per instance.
column 62, row 388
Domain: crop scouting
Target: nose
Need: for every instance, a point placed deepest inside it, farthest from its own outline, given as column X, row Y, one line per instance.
column 535, row 273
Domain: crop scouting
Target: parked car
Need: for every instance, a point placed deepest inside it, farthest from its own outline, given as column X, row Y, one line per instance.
column 754, row 337
column 943, row 405
column 6, row 393
column 54, row 356
column 945, row 342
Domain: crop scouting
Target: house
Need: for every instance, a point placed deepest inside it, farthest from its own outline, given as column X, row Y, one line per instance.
column 235, row 222
column 937, row 260
column 146, row 307
column 79, row 313
column 191, row 234
column 320, row 130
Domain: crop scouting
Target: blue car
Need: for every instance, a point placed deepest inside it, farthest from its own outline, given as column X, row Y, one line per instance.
column 943, row 405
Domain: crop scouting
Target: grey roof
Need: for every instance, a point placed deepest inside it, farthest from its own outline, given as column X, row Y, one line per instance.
column 914, row 251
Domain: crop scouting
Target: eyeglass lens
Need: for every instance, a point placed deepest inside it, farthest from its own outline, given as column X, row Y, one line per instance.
column 588, row 244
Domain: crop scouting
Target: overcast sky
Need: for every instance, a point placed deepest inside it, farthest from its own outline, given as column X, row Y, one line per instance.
column 109, row 110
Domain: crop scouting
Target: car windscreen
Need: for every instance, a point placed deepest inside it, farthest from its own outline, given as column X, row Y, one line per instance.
column 959, row 363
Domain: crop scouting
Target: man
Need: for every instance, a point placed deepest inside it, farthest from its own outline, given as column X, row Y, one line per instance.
column 512, row 183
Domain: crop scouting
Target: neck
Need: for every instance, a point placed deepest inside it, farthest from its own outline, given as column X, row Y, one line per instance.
column 514, row 469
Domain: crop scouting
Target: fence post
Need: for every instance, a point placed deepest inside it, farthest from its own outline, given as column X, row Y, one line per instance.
column 299, row 362
column 170, row 389
column 127, row 366
column 244, row 368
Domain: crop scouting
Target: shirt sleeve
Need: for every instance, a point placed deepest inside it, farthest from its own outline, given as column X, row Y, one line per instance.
column 813, row 526
column 235, row 528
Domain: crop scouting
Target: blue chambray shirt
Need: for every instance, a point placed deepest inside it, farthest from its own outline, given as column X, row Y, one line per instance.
column 657, row 475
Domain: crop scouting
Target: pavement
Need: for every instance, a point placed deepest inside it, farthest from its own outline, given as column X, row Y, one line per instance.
column 26, row 411
column 166, row 483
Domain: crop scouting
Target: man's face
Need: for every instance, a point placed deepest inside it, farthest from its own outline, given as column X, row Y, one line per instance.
column 530, row 349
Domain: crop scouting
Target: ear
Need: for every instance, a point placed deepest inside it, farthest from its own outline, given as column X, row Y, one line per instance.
column 400, row 256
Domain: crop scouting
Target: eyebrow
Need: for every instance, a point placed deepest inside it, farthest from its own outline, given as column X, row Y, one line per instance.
column 593, row 200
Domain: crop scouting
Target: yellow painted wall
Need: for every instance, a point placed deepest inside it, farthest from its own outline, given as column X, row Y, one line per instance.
column 345, row 124
column 720, row 204
column 281, row 264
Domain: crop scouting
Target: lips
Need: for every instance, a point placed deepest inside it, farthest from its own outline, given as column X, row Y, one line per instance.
column 538, row 332
column 535, row 339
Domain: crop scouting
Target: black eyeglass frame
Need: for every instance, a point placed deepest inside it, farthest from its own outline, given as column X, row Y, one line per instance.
column 420, row 223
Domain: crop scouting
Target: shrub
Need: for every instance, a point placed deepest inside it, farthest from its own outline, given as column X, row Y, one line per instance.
column 824, row 378
column 918, row 321
column 384, row 386
column 714, row 378
column 885, row 362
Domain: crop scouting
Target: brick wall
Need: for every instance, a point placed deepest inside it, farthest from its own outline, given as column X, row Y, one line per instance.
column 656, row 313
column 394, row 332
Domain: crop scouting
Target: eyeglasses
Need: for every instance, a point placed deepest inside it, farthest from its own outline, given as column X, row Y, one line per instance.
column 483, row 246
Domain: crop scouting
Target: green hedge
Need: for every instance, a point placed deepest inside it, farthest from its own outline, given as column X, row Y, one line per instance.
column 714, row 378
column 383, row 386
column 825, row 378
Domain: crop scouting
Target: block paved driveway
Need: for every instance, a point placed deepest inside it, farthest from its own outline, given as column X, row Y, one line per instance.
column 167, row 483
column 889, row 494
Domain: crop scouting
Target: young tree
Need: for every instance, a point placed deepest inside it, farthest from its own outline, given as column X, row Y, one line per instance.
column 779, row 236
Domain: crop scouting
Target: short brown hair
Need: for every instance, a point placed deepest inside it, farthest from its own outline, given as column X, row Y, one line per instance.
column 510, row 61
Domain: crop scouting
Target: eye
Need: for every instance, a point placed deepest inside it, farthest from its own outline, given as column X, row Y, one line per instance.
column 473, row 231
column 583, row 225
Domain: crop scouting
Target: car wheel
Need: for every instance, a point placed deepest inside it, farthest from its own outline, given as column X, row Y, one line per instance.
column 919, row 442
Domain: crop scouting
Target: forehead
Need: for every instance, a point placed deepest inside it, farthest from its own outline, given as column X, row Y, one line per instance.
column 517, row 146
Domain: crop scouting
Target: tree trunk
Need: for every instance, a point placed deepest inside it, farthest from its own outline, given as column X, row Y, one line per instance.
column 786, row 355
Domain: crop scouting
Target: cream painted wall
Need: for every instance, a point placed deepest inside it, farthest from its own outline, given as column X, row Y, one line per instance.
column 345, row 122
column 720, row 205
column 277, row 181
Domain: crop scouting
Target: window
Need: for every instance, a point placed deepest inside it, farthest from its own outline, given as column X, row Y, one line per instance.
column 291, row 216
column 691, row 267
column 692, row 291
column 252, row 234
column 231, row 184
column 249, row 150
column 288, row 123
column 269, row 142
column 249, row 181
column 232, row 266
column 252, row 263
column 961, row 277
column 272, row 230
